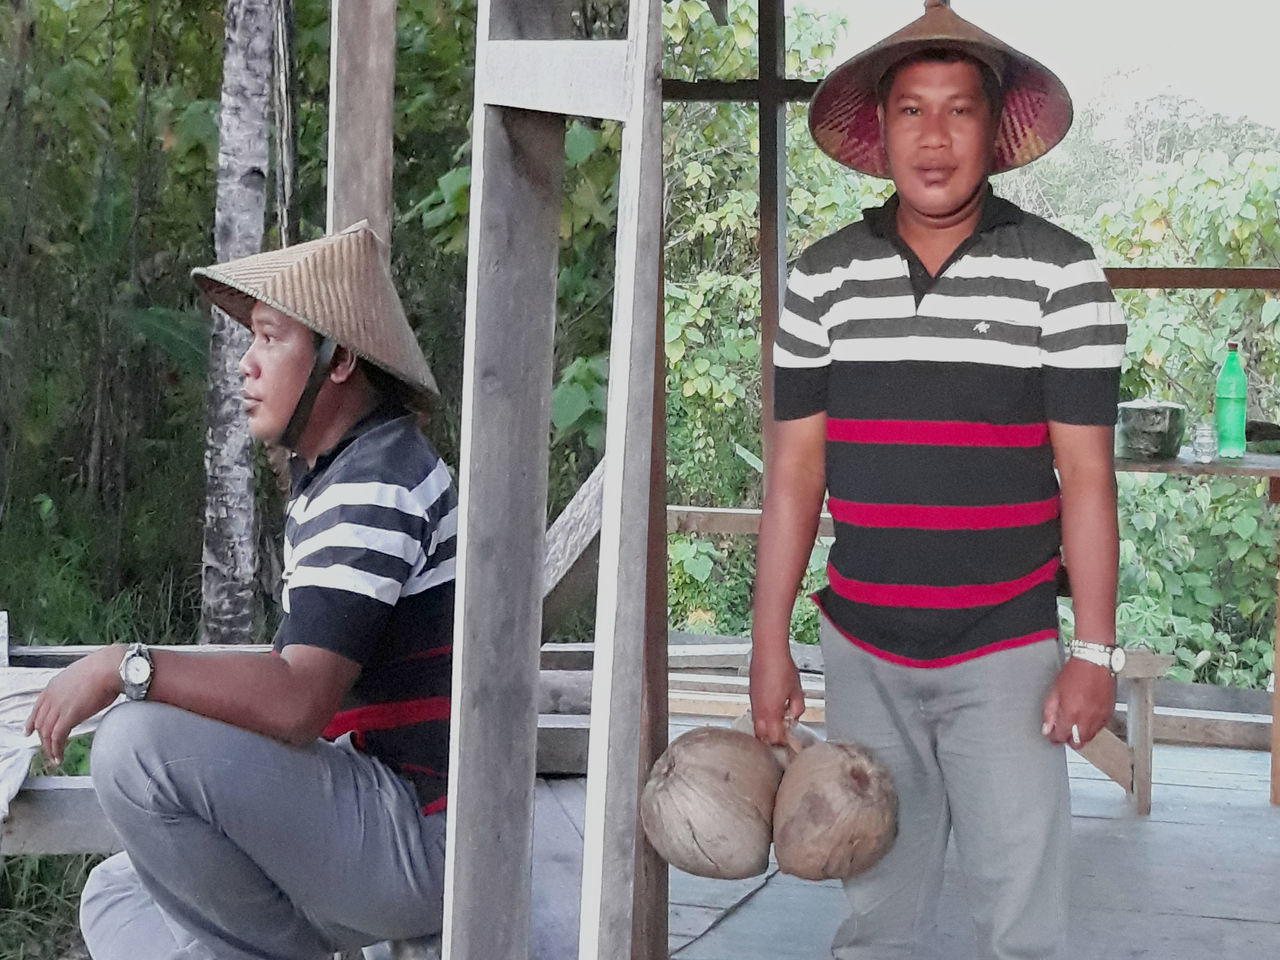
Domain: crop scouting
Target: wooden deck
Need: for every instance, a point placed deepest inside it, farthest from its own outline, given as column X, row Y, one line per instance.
column 1197, row 880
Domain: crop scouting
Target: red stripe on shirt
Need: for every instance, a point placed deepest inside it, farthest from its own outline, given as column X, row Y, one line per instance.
column 918, row 517
column 950, row 661
column 938, row 598
column 942, row 433
column 436, row 805
column 386, row 716
column 427, row 654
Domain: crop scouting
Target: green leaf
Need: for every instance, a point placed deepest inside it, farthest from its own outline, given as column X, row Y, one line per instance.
column 1270, row 311
column 743, row 35
column 569, row 401
column 1244, row 525
column 1208, row 596
column 698, row 567
column 1201, row 659
column 182, row 337
column 580, row 142
column 1180, row 674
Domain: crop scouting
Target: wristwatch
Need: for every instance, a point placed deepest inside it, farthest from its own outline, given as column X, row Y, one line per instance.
column 135, row 671
column 1101, row 654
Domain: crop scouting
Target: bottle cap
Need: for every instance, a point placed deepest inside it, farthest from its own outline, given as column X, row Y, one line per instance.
column 1233, row 344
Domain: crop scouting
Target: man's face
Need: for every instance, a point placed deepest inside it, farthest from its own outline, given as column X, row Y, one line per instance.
column 939, row 135
column 275, row 370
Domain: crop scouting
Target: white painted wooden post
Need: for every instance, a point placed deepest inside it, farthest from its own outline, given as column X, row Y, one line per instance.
column 362, row 66
column 528, row 77
column 609, row 834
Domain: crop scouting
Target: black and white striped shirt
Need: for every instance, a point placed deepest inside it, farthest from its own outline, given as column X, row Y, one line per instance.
column 938, row 391
column 369, row 574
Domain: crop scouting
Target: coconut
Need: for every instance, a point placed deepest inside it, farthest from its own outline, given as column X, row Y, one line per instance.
column 836, row 813
column 707, row 807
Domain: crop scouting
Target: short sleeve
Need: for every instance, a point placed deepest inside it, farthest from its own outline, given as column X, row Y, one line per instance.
column 1082, row 338
column 355, row 550
column 801, row 350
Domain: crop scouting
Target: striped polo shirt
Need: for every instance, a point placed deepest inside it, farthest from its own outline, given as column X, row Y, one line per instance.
column 938, row 392
column 369, row 574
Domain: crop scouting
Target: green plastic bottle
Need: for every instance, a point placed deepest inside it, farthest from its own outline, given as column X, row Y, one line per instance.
column 1229, row 404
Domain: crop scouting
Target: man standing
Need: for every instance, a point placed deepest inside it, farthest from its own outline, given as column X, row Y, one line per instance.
column 290, row 805
column 935, row 363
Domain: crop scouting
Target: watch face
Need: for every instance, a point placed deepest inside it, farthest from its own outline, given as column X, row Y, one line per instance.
column 136, row 670
column 1117, row 659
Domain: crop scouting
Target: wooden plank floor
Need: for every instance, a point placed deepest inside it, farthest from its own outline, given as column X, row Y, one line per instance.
column 1197, row 880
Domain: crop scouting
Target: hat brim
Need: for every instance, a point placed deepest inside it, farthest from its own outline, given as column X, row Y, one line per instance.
column 845, row 125
column 339, row 287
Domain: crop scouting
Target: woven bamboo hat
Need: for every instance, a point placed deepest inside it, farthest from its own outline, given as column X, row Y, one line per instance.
column 842, row 116
column 339, row 286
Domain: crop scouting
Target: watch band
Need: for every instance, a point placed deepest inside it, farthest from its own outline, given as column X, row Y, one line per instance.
column 1107, row 655
column 135, row 686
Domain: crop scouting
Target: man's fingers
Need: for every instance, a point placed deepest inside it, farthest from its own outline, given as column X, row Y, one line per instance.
column 1049, row 715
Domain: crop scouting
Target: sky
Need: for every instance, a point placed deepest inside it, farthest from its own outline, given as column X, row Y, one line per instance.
column 1223, row 53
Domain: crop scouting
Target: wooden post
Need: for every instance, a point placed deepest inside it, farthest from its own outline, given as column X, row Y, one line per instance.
column 517, row 174
column 649, row 934
column 1139, row 721
column 517, row 170
column 362, row 67
column 609, row 832
column 1273, row 492
column 773, row 197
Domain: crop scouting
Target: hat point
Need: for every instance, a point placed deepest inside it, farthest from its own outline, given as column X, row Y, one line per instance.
column 936, row 3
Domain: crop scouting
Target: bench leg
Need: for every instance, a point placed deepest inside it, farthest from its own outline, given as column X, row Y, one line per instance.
column 1139, row 720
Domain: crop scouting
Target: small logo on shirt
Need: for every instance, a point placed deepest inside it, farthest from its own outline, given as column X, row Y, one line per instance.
column 982, row 327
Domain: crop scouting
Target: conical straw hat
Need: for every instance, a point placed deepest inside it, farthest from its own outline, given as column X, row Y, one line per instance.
column 842, row 115
column 339, row 286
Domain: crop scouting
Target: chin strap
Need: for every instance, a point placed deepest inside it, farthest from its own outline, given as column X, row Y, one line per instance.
column 302, row 411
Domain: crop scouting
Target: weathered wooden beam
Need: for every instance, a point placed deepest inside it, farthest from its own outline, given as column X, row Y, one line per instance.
column 362, row 67
column 57, row 815
column 1193, row 278
column 773, row 198
column 1141, row 706
column 651, row 909
column 570, row 77
column 573, row 551
column 743, row 521
column 609, row 826
column 746, row 91
column 1111, row 755
column 517, row 171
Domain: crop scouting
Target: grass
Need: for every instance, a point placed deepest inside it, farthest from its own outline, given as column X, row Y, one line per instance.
column 39, row 902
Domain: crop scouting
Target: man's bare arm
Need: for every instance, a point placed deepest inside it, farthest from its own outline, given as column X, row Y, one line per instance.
column 290, row 697
column 1084, row 694
column 795, row 483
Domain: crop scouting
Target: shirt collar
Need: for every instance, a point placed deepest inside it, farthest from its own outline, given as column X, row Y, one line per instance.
column 996, row 212
column 300, row 475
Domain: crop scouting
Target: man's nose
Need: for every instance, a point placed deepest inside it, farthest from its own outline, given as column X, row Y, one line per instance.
column 935, row 127
column 246, row 365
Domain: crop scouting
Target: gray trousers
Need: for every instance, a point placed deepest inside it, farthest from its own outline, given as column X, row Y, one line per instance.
column 238, row 847
column 964, row 745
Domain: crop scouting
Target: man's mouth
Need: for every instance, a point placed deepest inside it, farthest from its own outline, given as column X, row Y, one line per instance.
column 933, row 173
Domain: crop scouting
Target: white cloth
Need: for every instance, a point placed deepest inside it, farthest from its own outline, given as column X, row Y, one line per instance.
column 19, row 688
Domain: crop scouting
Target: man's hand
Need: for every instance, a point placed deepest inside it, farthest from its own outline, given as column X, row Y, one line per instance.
column 776, row 698
column 1084, row 695
column 73, row 696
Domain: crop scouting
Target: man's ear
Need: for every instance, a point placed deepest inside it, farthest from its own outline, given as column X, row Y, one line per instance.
column 344, row 365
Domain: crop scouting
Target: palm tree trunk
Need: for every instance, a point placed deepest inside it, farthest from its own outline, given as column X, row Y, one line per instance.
column 229, row 603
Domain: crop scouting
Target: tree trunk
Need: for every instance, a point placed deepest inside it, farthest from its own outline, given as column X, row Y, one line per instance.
column 229, row 608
